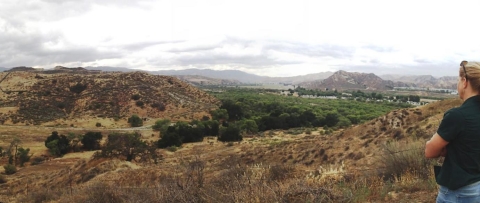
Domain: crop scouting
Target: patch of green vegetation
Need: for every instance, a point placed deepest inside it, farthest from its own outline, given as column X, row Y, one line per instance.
column 270, row 110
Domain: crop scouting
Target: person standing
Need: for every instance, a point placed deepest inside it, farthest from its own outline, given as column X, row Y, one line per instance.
column 458, row 140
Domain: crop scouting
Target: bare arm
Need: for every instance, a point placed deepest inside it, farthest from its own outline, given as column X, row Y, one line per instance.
column 435, row 147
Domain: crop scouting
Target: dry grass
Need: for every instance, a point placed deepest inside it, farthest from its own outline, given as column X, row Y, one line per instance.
column 348, row 166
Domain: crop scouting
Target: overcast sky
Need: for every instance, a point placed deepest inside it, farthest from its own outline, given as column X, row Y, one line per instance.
column 273, row 38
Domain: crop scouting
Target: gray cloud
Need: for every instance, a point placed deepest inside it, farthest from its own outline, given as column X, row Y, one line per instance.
column 436, row 70
column 22, row 44
column 187, row 53
column 30, row 49
column 335, row 51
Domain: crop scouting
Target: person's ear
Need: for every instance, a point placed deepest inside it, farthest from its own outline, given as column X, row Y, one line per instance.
column 464, row 83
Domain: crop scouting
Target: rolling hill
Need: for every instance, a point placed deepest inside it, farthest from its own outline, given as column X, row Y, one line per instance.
column 427, row 81
column 36, row 97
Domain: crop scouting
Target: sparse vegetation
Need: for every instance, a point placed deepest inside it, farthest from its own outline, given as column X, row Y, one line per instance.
column 400, row 158
column 283, row 164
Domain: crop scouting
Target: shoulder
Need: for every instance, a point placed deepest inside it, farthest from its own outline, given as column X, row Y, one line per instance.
column 454, row 112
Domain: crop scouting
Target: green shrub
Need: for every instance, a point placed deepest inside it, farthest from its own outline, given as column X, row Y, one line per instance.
column 135, row 121
column 170, row 138
column 161, row 125
column 58, row 145
column 230, row 134
column 10, row 169
column 91, row 140
column 23, row 155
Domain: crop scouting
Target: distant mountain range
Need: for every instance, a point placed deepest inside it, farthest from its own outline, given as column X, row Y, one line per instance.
column 337, row 80
column 446, row 82
column 233, row 75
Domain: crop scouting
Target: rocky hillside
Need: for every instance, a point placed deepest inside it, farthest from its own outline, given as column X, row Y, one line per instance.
column 342, row 80
column 36, row 97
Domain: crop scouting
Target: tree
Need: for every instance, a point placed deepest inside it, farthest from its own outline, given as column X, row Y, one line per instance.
column 135, row 121
column 128, row 146
column 58, row 145
column 74, row 141
column 331, row 119
column 91, row 140
column 235, row 111
column 230, row 134
column 13, row 150
column 219, row 114
column 250, row 126
column 170, row 138
column 161, row 125
column 344, row 122
column 23, row 155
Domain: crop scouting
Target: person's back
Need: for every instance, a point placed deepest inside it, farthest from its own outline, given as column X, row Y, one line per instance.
column 462, row 130
column 458, row 140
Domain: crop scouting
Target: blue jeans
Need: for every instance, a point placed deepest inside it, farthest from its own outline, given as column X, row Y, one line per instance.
column 465, row 194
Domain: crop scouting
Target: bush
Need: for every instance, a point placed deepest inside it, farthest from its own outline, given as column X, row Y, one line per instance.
column 400, row 158
column 128, row 146
column 161, row 125
column 91, row 140
column 58, row 145
column 98, row 124
column 230, row 134
column 135, row 121
column 170, row 138
column 10, row 169
column 23, row 155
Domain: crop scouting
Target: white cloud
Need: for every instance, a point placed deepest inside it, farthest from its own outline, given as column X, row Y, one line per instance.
column 278, row 38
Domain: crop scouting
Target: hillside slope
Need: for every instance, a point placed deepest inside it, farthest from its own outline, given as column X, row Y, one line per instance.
column 39, row 97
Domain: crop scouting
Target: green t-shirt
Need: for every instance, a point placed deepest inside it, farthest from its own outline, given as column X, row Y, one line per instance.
column 461, row 128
